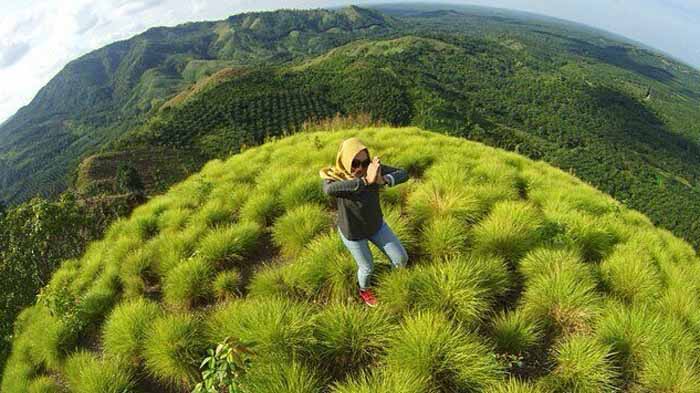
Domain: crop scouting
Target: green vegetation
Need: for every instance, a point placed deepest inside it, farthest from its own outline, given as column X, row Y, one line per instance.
column 534, row 299
column 147, row 112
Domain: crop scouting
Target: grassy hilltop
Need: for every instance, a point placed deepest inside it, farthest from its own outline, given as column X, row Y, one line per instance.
column 521, row 278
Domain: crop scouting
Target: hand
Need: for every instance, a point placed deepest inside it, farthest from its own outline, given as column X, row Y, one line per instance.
column 374, row 171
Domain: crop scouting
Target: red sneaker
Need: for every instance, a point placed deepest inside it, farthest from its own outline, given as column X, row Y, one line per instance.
column 368, row 297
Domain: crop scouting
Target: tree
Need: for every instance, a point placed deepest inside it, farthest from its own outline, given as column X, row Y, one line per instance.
column 128, row 180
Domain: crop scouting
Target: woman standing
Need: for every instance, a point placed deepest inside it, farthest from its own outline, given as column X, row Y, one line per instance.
column 355, row 182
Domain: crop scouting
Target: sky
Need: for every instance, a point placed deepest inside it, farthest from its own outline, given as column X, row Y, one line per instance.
column 38, row 38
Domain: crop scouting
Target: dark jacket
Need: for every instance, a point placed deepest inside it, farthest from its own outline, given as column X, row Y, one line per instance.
column 359, row 213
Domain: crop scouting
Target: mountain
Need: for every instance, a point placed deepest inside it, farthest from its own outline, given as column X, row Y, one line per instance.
column 100, row 95
column 520, row 277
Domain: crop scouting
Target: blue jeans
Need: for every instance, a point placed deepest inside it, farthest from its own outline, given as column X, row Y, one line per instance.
column 386, row 241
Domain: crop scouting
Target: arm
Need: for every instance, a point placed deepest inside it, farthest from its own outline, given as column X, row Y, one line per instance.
column 393, row 176
column 340, row 188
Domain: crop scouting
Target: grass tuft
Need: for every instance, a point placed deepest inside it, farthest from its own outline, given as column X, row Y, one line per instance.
column 227, row 285
column 189, row 284
column 276, row 326
column 583, row 365
column 173, row 349
column 510, row 230
column 293, row 231
column 86, row 373
column 349, row 338
column 230, row 244
column 125, row 330
column 513, row 333
column 429, row 346
column 444, row 236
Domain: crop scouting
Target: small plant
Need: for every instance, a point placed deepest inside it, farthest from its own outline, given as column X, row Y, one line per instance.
column 223, row 368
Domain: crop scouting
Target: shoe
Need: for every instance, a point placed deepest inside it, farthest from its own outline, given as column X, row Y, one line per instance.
column 368, row 297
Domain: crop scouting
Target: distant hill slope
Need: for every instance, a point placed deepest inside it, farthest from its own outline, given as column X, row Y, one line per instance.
column 521, row 278
column 100, row 95
column 595, row 119
column 623, row 118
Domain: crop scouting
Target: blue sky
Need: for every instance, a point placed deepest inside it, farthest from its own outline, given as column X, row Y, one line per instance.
column 38, row 38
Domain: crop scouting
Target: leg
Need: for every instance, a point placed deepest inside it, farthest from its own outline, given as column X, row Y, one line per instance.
column 363, row 257
column 387, row 241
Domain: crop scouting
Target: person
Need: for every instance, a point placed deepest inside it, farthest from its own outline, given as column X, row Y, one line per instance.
column 355, row 182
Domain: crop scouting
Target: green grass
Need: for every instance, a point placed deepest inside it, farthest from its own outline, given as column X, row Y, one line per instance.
column 444, row 236
column 230, row 244
column 189, row 284
column 430, row 347
column 349, row 338
column 564, row 297
column 463, row 287
column 86, row 373
column 45, row 384
column 173, row 348
column 509, row 259
column 125, row 330
column 631, row 275
column 514, row 385
column 277, row 327
column 509, row 231
column 382, row 381
column 227, row 285
column 513, row 333
column 283, row 377
column 298, row 226
column 583, row 365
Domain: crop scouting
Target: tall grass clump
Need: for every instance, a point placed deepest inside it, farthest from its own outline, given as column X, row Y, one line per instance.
column 282, row 377
column 277, row 327
column 301, row 191
column 125, row 330
column 45, row 384
column 544, row 260
column 349, row 338
column 227, row 284
column 639, row 334
column 630, row 274
column 669, row 371
column 451, row 288
column 463, row 287
column 86, row 373
column 298, row 226
column 432, row 199
column 137, row 270
column 189, row 284
column 173, row 349
column 382, row 381
column 444, row 236
column 583, row 365
column 510, row 230
column 430, row 347
column 230, row 244
column 514, row 333
column 565, row 297
column 261, row 208
column 515, row 385
column 587, row 233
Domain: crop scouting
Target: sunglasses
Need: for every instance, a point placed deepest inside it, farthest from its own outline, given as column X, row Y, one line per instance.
column 365, row 163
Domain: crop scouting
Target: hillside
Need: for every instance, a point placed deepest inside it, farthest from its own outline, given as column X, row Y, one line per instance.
column 618, row 115
column 104, row 93
column 521, row 278
column 596, row 119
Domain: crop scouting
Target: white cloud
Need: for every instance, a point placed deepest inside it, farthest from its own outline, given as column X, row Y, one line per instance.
column 38, row 39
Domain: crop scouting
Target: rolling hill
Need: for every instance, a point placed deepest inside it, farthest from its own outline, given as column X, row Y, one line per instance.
column 521, row 278
column 611, row 111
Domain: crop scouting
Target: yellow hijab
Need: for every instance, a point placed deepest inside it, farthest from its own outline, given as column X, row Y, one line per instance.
column 343, row 160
